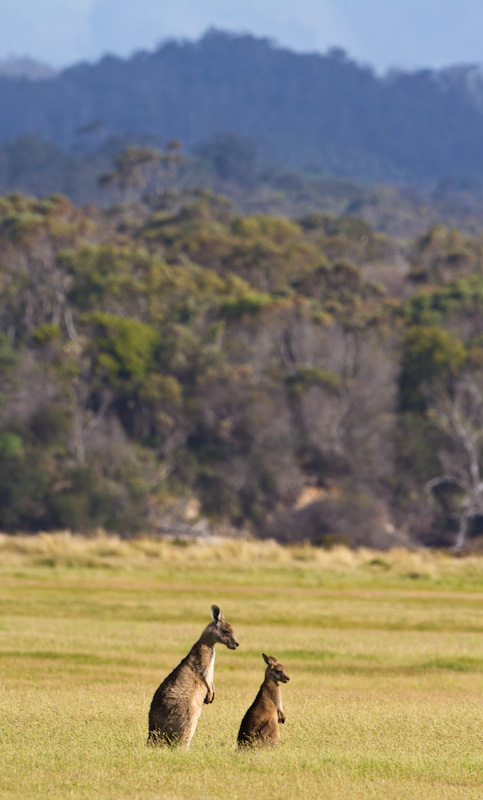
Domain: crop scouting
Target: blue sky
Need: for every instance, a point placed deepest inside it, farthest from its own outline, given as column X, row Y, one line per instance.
column 406, row 34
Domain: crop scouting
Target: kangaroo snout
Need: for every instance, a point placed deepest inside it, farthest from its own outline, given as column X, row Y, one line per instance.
column 234, row 645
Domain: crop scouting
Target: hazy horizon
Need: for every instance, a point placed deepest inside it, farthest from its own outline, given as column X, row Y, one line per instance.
column 407, row 35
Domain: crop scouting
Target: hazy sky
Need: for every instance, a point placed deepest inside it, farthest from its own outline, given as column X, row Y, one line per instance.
column 384, row 33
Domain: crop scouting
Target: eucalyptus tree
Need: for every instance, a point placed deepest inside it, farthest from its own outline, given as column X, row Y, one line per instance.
column 458, row 415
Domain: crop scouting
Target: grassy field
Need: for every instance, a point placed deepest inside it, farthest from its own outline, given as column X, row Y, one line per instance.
column 385, row 652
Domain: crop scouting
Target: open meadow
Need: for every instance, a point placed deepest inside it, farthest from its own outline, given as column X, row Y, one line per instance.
column 384, row 650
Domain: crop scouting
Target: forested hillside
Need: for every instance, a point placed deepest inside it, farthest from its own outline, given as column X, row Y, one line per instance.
column 228, row 165
column 310, row 111
column 168, row 361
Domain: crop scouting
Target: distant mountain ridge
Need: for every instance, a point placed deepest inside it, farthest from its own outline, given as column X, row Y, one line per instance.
column 309, row 111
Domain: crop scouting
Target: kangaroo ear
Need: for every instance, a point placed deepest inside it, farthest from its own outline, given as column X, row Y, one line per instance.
column 266, row 659
column 215, row 612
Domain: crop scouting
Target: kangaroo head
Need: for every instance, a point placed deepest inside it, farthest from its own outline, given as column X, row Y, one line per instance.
column 275, row 670
column 221, row 630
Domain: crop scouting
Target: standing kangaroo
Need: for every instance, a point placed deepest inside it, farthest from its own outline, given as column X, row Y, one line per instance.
column 260, row 724
column 177, row 703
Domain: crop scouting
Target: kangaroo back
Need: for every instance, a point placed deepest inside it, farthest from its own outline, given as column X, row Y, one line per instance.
column 178, row 701
column 260, row 725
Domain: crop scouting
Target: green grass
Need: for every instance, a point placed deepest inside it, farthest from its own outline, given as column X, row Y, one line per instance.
column 385, row 699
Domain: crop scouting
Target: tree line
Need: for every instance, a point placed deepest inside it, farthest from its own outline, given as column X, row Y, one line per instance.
column 313, row 111
column 99, row 172
column 307, row 379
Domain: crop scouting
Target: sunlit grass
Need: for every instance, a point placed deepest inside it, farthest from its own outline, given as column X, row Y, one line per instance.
column 111, row 552
column 385, row 651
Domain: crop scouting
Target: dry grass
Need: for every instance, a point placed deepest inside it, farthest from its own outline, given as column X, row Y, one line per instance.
column 66, row 550
column 384, row 649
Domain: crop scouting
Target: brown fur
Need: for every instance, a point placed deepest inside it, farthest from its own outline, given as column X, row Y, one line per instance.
column 178, row 701
column 260, row 725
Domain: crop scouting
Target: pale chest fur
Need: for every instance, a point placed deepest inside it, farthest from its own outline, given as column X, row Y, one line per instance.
column 211, row 669
column 208, row 672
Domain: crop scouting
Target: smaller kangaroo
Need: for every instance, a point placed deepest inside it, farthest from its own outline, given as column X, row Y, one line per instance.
column 178, row 701
column 259, row 726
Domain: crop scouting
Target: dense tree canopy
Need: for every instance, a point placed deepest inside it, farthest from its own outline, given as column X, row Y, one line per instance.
column 171, row 351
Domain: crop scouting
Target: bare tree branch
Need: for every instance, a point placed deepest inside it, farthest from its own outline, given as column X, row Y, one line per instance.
column 459, row 416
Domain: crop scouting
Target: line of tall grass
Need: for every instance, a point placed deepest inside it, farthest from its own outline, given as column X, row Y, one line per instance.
column 65, row 549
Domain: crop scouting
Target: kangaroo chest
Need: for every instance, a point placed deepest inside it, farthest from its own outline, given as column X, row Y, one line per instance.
column 203, row 662
column 211, row 669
